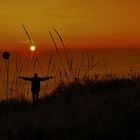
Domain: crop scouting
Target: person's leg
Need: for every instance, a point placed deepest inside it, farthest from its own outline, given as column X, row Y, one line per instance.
column 33, row 96
column 37, row 96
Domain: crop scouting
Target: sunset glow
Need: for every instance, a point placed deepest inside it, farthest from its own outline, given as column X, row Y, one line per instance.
column 82, row 24
column 69, row 69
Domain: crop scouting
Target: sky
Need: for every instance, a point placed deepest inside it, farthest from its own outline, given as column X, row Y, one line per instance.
column 82, row 24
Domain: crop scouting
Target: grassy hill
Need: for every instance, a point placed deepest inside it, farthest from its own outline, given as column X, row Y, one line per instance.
column 87, row 109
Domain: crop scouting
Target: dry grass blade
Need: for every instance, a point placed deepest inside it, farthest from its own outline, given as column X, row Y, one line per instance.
column 93, row 66
column 54, row 42
column 49, row 64
column 40, row 66
column 52, row 70
column 68, row 59
column 61, row 62
column 79, row 70
column 60, row 73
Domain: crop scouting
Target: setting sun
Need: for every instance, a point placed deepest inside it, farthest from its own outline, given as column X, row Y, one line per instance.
column 32, row 47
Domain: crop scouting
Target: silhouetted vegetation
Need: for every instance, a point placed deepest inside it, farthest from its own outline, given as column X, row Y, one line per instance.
column 79, row 110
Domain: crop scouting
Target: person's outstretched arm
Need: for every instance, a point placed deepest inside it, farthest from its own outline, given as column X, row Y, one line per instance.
column 25, row 78
column 46, row 78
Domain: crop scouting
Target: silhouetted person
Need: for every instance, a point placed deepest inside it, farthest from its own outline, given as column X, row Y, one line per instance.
column 35, row 88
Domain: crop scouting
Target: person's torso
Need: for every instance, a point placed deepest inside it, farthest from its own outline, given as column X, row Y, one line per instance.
column 35, row 84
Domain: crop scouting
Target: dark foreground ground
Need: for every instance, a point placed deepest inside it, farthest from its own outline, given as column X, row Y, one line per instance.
column 78, row 111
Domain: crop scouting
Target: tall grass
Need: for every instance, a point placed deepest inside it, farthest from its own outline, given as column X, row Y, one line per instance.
column 67, row 69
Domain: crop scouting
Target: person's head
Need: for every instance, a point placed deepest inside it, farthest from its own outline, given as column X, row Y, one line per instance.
column 35, row 75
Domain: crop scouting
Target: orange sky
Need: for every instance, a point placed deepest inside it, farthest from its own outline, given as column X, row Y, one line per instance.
column 82, row 23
